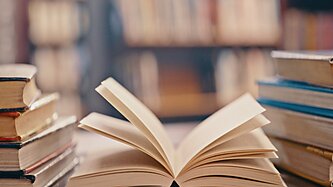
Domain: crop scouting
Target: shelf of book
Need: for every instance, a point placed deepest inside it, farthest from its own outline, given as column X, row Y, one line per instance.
column 306, row 25
column 188, row 42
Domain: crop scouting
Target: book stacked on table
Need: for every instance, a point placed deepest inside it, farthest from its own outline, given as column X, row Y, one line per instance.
column 36, row 147
column 299, row 102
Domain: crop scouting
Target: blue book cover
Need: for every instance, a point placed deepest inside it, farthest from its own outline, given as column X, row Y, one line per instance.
column 298, row 108
column 294, row 85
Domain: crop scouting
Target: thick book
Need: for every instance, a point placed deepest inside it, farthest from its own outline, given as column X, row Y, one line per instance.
column 17, row 126
column 47, row 174
column 16, row 157
column 306, row 161
column 300, row 127
column 18, row 87
column 296, row 92
column 226, row 149
column 314, row 67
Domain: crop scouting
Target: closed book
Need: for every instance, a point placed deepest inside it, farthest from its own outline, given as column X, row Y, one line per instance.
column 300, row 127
column 17, row 126
column 314, row 67
column 47, row 174
column 296, row 92
column 306, row 161
column 17, row 156
column 18, row 87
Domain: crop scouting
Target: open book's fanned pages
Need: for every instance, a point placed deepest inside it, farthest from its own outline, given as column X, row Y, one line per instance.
column 139, row 115
column 227, row 149
column 122, row 131
column 121, row 166
column 227, row 120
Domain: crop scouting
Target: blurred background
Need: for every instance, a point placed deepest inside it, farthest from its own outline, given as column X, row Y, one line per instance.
column 183, row 59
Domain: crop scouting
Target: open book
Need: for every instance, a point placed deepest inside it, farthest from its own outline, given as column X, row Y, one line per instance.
column 226, row 149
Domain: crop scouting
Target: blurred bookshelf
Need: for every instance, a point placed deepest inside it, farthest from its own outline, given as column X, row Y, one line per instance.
column 307, row 25
column 186, row 59
column 154, row 23
column 13, row 32
column 55, row 29
column 183, row 59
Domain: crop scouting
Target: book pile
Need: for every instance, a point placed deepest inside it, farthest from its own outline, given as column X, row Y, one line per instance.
column 36, row 147
column 299, row 103
column 226, row 149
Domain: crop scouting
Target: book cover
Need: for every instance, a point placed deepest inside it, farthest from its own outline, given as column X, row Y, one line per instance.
column 59, row 125
column 17, row 72
column 297, row 107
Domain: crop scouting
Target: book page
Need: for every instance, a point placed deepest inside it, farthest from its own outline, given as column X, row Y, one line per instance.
column 231, row 156
column 255, row 143
column 254, row 123
column 215, row 126
column 116, row 164
column 139, row 115
column 259, row 170
column 121, row 131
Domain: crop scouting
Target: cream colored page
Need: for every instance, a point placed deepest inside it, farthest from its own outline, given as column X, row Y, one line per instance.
column 245, row 128
column 255, row 144
column 255, row 141
column 121, row 131
column 254, row 123
column 119, row 158
column 226, row 157
column 139, row 115
column 253, row 169
column 215, row 126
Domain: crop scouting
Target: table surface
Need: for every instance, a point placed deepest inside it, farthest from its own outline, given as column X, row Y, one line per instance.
column 90, row 143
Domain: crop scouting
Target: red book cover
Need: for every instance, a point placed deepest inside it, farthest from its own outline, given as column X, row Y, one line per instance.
column 10, row 139
column 10, row 114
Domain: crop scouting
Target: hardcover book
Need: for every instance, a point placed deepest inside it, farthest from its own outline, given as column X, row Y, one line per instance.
column 16, row 157
column 17, row 126
column 18, row 87
column 300, row 127
column 296, row 92
column 44, row 175
column 314, row 163
column 226, row 149
column 314, row 67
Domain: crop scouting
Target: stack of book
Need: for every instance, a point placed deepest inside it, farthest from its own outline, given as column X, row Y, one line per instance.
column 299, row 103
column 36, row 147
